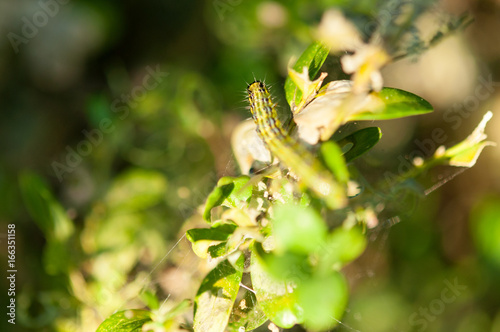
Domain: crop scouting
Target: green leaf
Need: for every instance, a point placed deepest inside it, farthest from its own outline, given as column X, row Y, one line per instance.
column 324, row 299
column 284, row 266
column 150, row 299
column 218, row 250
column 216, row 295
column 229, row 192
column 342, row 246
column 248, row 147
column 312, row 58
column 136, row 189
column 43, row 207
column 298, row 229
column 396, row 104
column 247, row 313
column 51, row 218
column 203, row 238
column 332, row 155
column 465, row 153
column 125, row 321
column 239, row 216
column 277, row 299
column 467, row 157
column 485, row 225
column 359, row 142
column 178, row 309
column 57, row 258
column 220, row 232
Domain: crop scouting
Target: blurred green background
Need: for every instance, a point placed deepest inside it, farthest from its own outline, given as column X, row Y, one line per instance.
column 116, row 119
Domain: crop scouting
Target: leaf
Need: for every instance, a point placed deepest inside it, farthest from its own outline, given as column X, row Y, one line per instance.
column 277, row 299
column 216, row 295
column 43, row 207
column 130, row 320
column 309, row 89
column 136, row 189
column 57, row 258
column 229, row 192
column 287, row 266
column 248, row 147
column 332, row 155
column 167, row 320
column 359, row 142
column 467, row 157
column 51, row 218
column 203, row 238
column 465, row 153
column 336, row 104
column 324, row 299
column 150, row 299
column 485, row 225
column 239, row 217
column 396, row 104
column 218, row 232
column 178, row 309
column 297, row 229
column 217, row 250
column 233, row 244
column 312, row 58
column 247, row 313
column 342, row 246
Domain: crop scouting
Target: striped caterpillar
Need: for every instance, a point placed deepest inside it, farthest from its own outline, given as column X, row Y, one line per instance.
column 291, row 152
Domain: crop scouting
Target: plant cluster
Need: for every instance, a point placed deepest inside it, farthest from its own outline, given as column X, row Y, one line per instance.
column 277, row 246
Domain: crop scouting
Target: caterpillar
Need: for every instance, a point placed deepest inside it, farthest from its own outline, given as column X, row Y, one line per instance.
column 291, row 152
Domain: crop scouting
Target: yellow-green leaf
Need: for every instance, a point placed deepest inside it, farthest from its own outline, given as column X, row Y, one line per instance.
column 130, row 320
column 277, row 299
column 312, row 59
column 465, row 153
column 216, row 295
column 229, row 192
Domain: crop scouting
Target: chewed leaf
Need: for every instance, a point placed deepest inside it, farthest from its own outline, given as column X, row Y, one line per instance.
column 312, row 59
column 219, row 233
column 246, row 314
column 331, row 108
column 465, row 153
column 230, row 192
column 239, row 217
column 216, row 295
column 309, row 89
column 234, row 242
column 217, row 250
column 248, row 146
column 203, row 239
